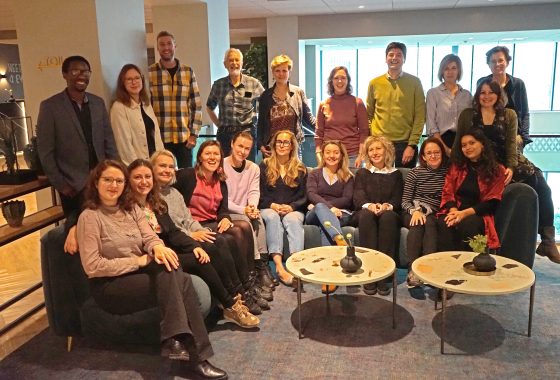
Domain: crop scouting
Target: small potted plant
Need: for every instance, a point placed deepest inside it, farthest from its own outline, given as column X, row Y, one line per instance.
column 350, row 263
column 483, row 262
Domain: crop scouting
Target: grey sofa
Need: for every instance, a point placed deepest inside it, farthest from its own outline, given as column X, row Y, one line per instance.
column 516, row 223
column 71, row 310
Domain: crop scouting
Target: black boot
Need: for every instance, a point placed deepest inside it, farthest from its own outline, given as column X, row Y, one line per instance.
column 263, row 291
column 548, row 244
column 262, row 274
column 265, row 258
column 205, row 370
column 249, row 301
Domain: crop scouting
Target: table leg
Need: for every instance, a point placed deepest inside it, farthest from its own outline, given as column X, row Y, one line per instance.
column 394, row 296
column 436, row 303
column 443, row 302
column 531, row 302
column 299, row 307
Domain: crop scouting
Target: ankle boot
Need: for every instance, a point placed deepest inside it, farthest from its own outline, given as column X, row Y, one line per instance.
column 249, row 301
column 548, row 244
column 265, row 258
column 262, row 274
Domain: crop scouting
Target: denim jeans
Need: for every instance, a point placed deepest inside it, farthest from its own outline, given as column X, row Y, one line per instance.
column 292, row 223
column 352, row 159
column 320, row 214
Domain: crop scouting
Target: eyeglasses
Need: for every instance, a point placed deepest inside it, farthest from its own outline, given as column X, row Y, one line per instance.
column 133, row 79
column 285, row 143
column 76, row 72
column 110, row 180
column 432, row 154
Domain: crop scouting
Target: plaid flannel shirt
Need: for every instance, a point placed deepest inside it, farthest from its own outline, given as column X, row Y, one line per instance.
column 176, row 102
column 238, row 105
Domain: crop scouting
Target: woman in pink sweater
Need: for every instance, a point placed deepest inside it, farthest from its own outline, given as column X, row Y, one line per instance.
column 342, row 117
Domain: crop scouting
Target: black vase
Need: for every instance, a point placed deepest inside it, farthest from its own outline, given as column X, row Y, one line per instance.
column 484, row 262
column 350, row 263
column 13, row 211
column 31, row 156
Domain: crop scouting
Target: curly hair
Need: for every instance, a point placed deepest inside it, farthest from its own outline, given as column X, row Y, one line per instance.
column 489, row 167
column 122, row 94
column 293, row 166
column 421, row 162
column 342, row 172
column 495, row 87
column 330, row 86
column 126, row 201
column 219, row 174
column 154, row 199
column 389, row 150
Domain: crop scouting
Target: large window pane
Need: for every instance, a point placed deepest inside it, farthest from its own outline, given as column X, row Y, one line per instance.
column 332, row 59
column 480, row 68
column 371, row 64
column 439, row 53
column 534, row 64
column 465, row 53
column 556, row 105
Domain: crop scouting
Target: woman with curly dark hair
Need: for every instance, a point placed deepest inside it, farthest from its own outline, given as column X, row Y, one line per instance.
column 130, row 269
column 473, row 190
column 499, row 124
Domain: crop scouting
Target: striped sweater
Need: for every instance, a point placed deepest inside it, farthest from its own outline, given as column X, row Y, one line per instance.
column 422, row 190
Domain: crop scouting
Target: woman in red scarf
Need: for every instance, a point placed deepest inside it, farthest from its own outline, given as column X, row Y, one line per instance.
column 473, row 190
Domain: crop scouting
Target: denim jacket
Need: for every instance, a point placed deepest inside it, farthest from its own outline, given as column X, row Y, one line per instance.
column 297, row 100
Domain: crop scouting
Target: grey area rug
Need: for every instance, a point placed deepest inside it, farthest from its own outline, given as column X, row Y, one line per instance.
column 351, row 339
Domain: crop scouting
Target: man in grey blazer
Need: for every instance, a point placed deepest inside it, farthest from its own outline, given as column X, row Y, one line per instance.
column 73, row 134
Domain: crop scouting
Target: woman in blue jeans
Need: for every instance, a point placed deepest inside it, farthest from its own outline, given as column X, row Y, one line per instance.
column 283, row 199
column 330, row 188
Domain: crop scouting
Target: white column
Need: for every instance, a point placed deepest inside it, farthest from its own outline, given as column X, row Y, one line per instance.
column 282, row 38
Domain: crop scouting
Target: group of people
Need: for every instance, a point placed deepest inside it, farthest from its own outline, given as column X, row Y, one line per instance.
column 141, row 226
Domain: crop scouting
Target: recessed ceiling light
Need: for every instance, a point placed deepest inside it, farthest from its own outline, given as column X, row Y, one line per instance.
column 361, row 6
column 508, row 39
column 471, row 38
column 369, row 42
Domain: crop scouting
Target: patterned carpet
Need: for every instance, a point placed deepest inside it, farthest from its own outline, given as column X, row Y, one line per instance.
column 352, row 338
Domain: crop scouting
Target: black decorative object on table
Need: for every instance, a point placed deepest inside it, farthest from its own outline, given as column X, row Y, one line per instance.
column 13, row 212
column 350, row 263
column 483, row 264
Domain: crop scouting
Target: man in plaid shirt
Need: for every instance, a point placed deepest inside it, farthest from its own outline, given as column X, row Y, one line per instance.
column 236, row 96
column 176, row 101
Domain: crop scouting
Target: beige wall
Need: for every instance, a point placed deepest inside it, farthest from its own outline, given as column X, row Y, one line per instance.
column 282, row 38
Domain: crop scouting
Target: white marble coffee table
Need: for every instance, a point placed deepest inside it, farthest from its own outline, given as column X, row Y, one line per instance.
column 317, row 265
column 444, row 270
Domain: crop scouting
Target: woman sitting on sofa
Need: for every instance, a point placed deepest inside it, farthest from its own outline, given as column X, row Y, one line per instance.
column 123, row 258
column 192, row 257
column 378, row 192
column 283, row 199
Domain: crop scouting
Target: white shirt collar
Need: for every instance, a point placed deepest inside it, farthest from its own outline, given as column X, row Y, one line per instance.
column 400, row 75
column 385, row 170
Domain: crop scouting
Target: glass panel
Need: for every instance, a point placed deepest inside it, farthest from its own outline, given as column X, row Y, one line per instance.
column 332, row 59
column 425, row 67
column 534, row 63
column 480, row 68
column 465, row 53
column 439, row 53
column 371, row 64
column 556, row 105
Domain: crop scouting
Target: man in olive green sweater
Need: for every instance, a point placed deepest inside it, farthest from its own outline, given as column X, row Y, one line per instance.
column 396, row 106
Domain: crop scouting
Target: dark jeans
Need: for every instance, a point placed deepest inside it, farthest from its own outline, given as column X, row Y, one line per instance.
column 399, row 150
column 182, row 154
column 422, row 239
column 546, row 207
column 71, row 207
column 224, row 138
column 455, row 238
column 448, row 138
column 150, row 286
column 378, row 232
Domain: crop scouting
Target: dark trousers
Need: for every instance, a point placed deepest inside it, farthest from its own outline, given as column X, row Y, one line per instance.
column 455, row 238
column 546, row 207
column 448, row 138
column 378, row 232
column 150, row 286
column 421, row 239
column 71, row 207
column 399, row 150
column 224, row 138
column 181, row 153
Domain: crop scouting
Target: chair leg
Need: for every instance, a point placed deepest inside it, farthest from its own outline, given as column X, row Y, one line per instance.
column 69, row 343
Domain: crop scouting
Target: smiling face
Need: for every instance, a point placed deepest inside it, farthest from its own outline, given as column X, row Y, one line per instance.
column 164, row 168
column 487, row 97
column 432, row 155
column 133, row 82
column 166, row 48
column 451, row 72
column 283, row 145
column 332, row 156
column 77, row 82
column 141, row 182
column 376, row 153
column 210, row 159
column 498, row 63
column 340, row 82
column 234, row 63
column 110, row 186
column 240, row 149
column 472, row 148
column 395, row 60
column 281, row 73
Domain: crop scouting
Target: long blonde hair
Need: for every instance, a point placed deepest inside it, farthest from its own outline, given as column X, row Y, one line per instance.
column 389, row 150
column 342, row 172
column 293, row 165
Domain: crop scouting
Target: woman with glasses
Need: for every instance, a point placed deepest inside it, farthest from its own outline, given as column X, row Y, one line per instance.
column 342, row 117
column 133, row 120
column 445, row 102
column 283, row 199
column 420, row 202
column 283, row 107
column 130, row 269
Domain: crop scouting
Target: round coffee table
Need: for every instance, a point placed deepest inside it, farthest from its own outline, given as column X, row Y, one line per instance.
column 444, row 270
column 316, row 265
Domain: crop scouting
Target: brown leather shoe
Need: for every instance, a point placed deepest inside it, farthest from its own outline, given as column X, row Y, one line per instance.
column 174, row 350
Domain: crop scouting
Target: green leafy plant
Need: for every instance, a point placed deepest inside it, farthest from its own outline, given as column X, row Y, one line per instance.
column 478, row 243
column 255, row 62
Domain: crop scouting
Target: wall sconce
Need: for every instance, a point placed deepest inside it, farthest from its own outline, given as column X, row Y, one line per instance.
column 2, row 76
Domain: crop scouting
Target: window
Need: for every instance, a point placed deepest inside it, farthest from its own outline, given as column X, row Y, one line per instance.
column 556, row 105
column 371, row 64
column 465, row 53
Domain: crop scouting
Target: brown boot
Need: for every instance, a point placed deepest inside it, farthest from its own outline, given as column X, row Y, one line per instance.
column 548, row 244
